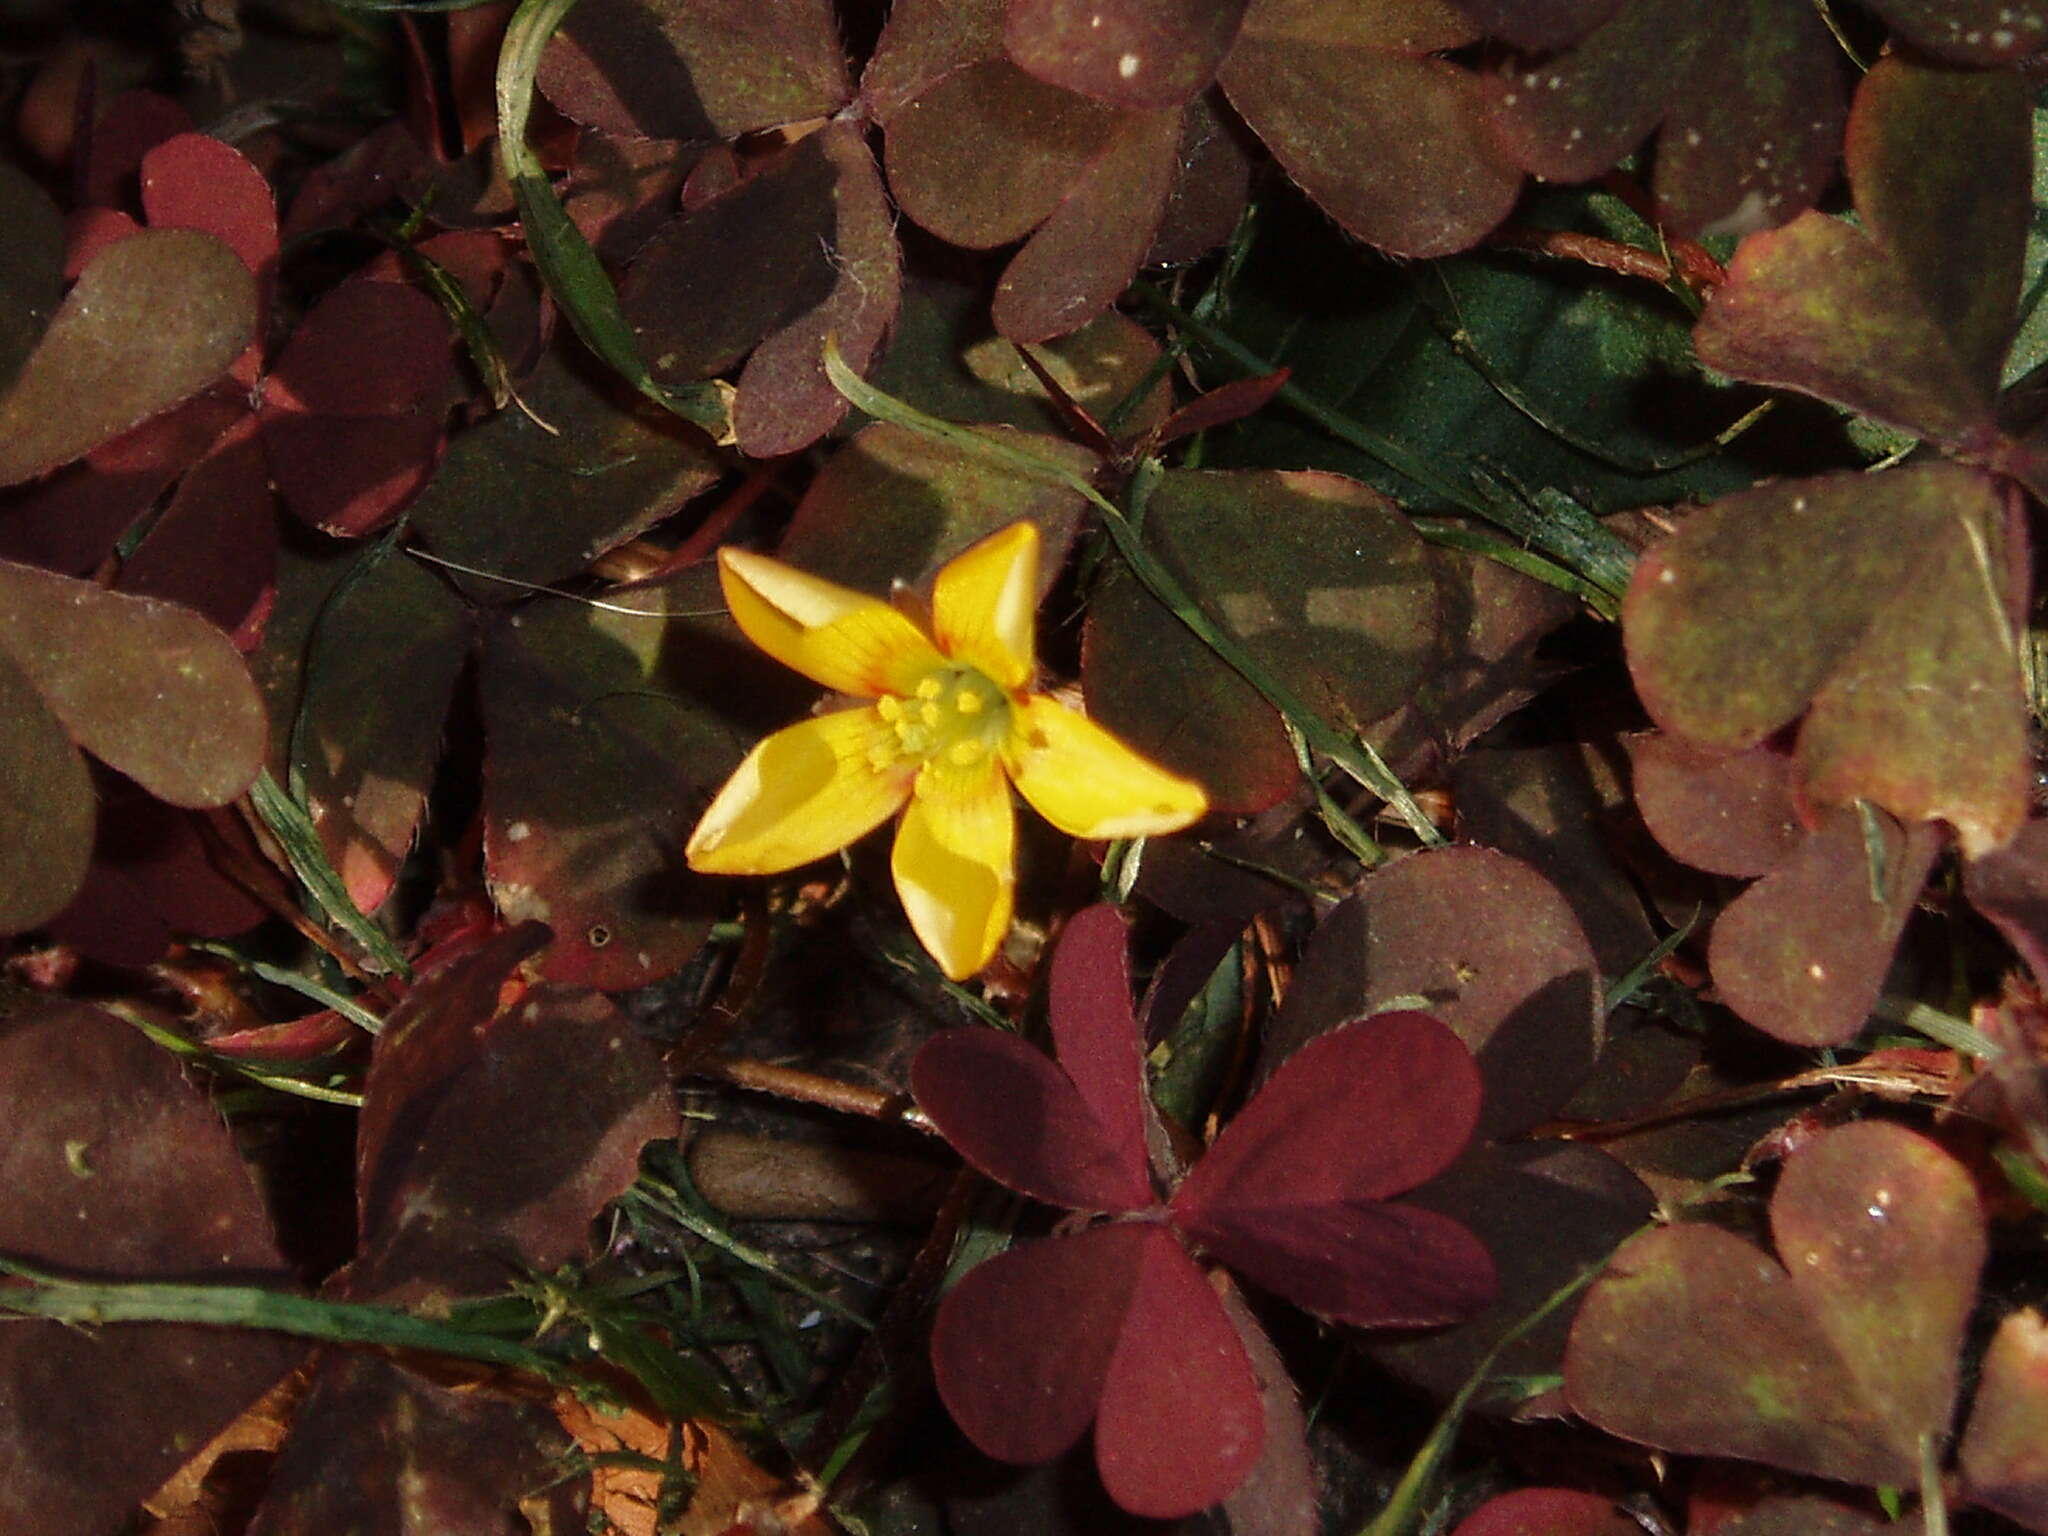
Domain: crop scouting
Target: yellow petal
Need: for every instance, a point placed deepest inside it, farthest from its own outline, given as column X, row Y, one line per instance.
column 1087, row 783
column 985, row 604
column 805, row 791
column 832, row 634
column 955, row 864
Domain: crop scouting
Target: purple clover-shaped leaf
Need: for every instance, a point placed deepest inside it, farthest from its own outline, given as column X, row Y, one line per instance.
column 1115, row 1323
column 1747, row 98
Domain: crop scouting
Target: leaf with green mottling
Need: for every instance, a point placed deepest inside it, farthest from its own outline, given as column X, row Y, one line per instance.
column 1907, row 318
column 1876, row 607
column 1835, row 1364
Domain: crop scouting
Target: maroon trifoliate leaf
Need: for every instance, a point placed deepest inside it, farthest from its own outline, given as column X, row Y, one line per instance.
column 923, row 41
column 1216, row 159
column 1492, row 947
column 1907, row 319
column 352, row 412
column 149, row 687
column 1086, row 251
column 2004, row 1455
column 196, row 181
column 1836, row 1364
column 1877, row 605
column 1748, row 95
column 1030, row 1345
column 1181, row 1422
column 119, row 351
column 783, row 400
column 2010, row 887
column 151, row 877
column 134, row 123
column 1021, row 1120
column 1730, row 813
column 1281, row 1495
column 1289, row 1194
column 214, row 549
column 1095, row 1031
column 1537, row 25
column 713, row 284
column 70, row 519
column 1802, row 954
column 1547, row 1512
column 1389, row 141
column 1147, row 54
column 1970, row 31
column 115, row 1167
column 684, row 69
column 988, row 113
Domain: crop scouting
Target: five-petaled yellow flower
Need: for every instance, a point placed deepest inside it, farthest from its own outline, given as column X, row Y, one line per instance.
column 953, row 724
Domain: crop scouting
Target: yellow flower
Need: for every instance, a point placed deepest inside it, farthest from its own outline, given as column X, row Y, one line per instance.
column 953, row 725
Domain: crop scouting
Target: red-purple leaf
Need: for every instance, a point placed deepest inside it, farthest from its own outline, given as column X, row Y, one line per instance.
column 1749, row 96
column 195, row 181
column 1730, row 813
column 1287, row 1195
column 1088, row 248
column 666, row 69
column 1493, row 949
column 352, row 411
column 1220, row 406
column 1147, row 54
column 1018, row 1118
column 2010, row 887
column 46, row 836
column 783, row 400
column 1358, row 1114
column 1181, row 1423
column 990, row 113
column 1836, row 1364
column 1390, row 142
column 2004, row 1456
column 1022, row 1344
column 151, row 877
column 117, row 352
column 214, row 549
column 1547, row 1512
column 1028, row 1345
column 1802, row 954
column 1908, row 318
column 69, row 520
column 1095, row 1032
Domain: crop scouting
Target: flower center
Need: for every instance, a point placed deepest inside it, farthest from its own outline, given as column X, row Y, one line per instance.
column 955, row 715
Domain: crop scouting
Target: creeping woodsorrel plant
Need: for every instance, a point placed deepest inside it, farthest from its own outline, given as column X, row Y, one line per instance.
column 1114, row 1320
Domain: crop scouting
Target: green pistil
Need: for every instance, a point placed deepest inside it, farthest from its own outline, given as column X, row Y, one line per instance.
column 955, row 714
